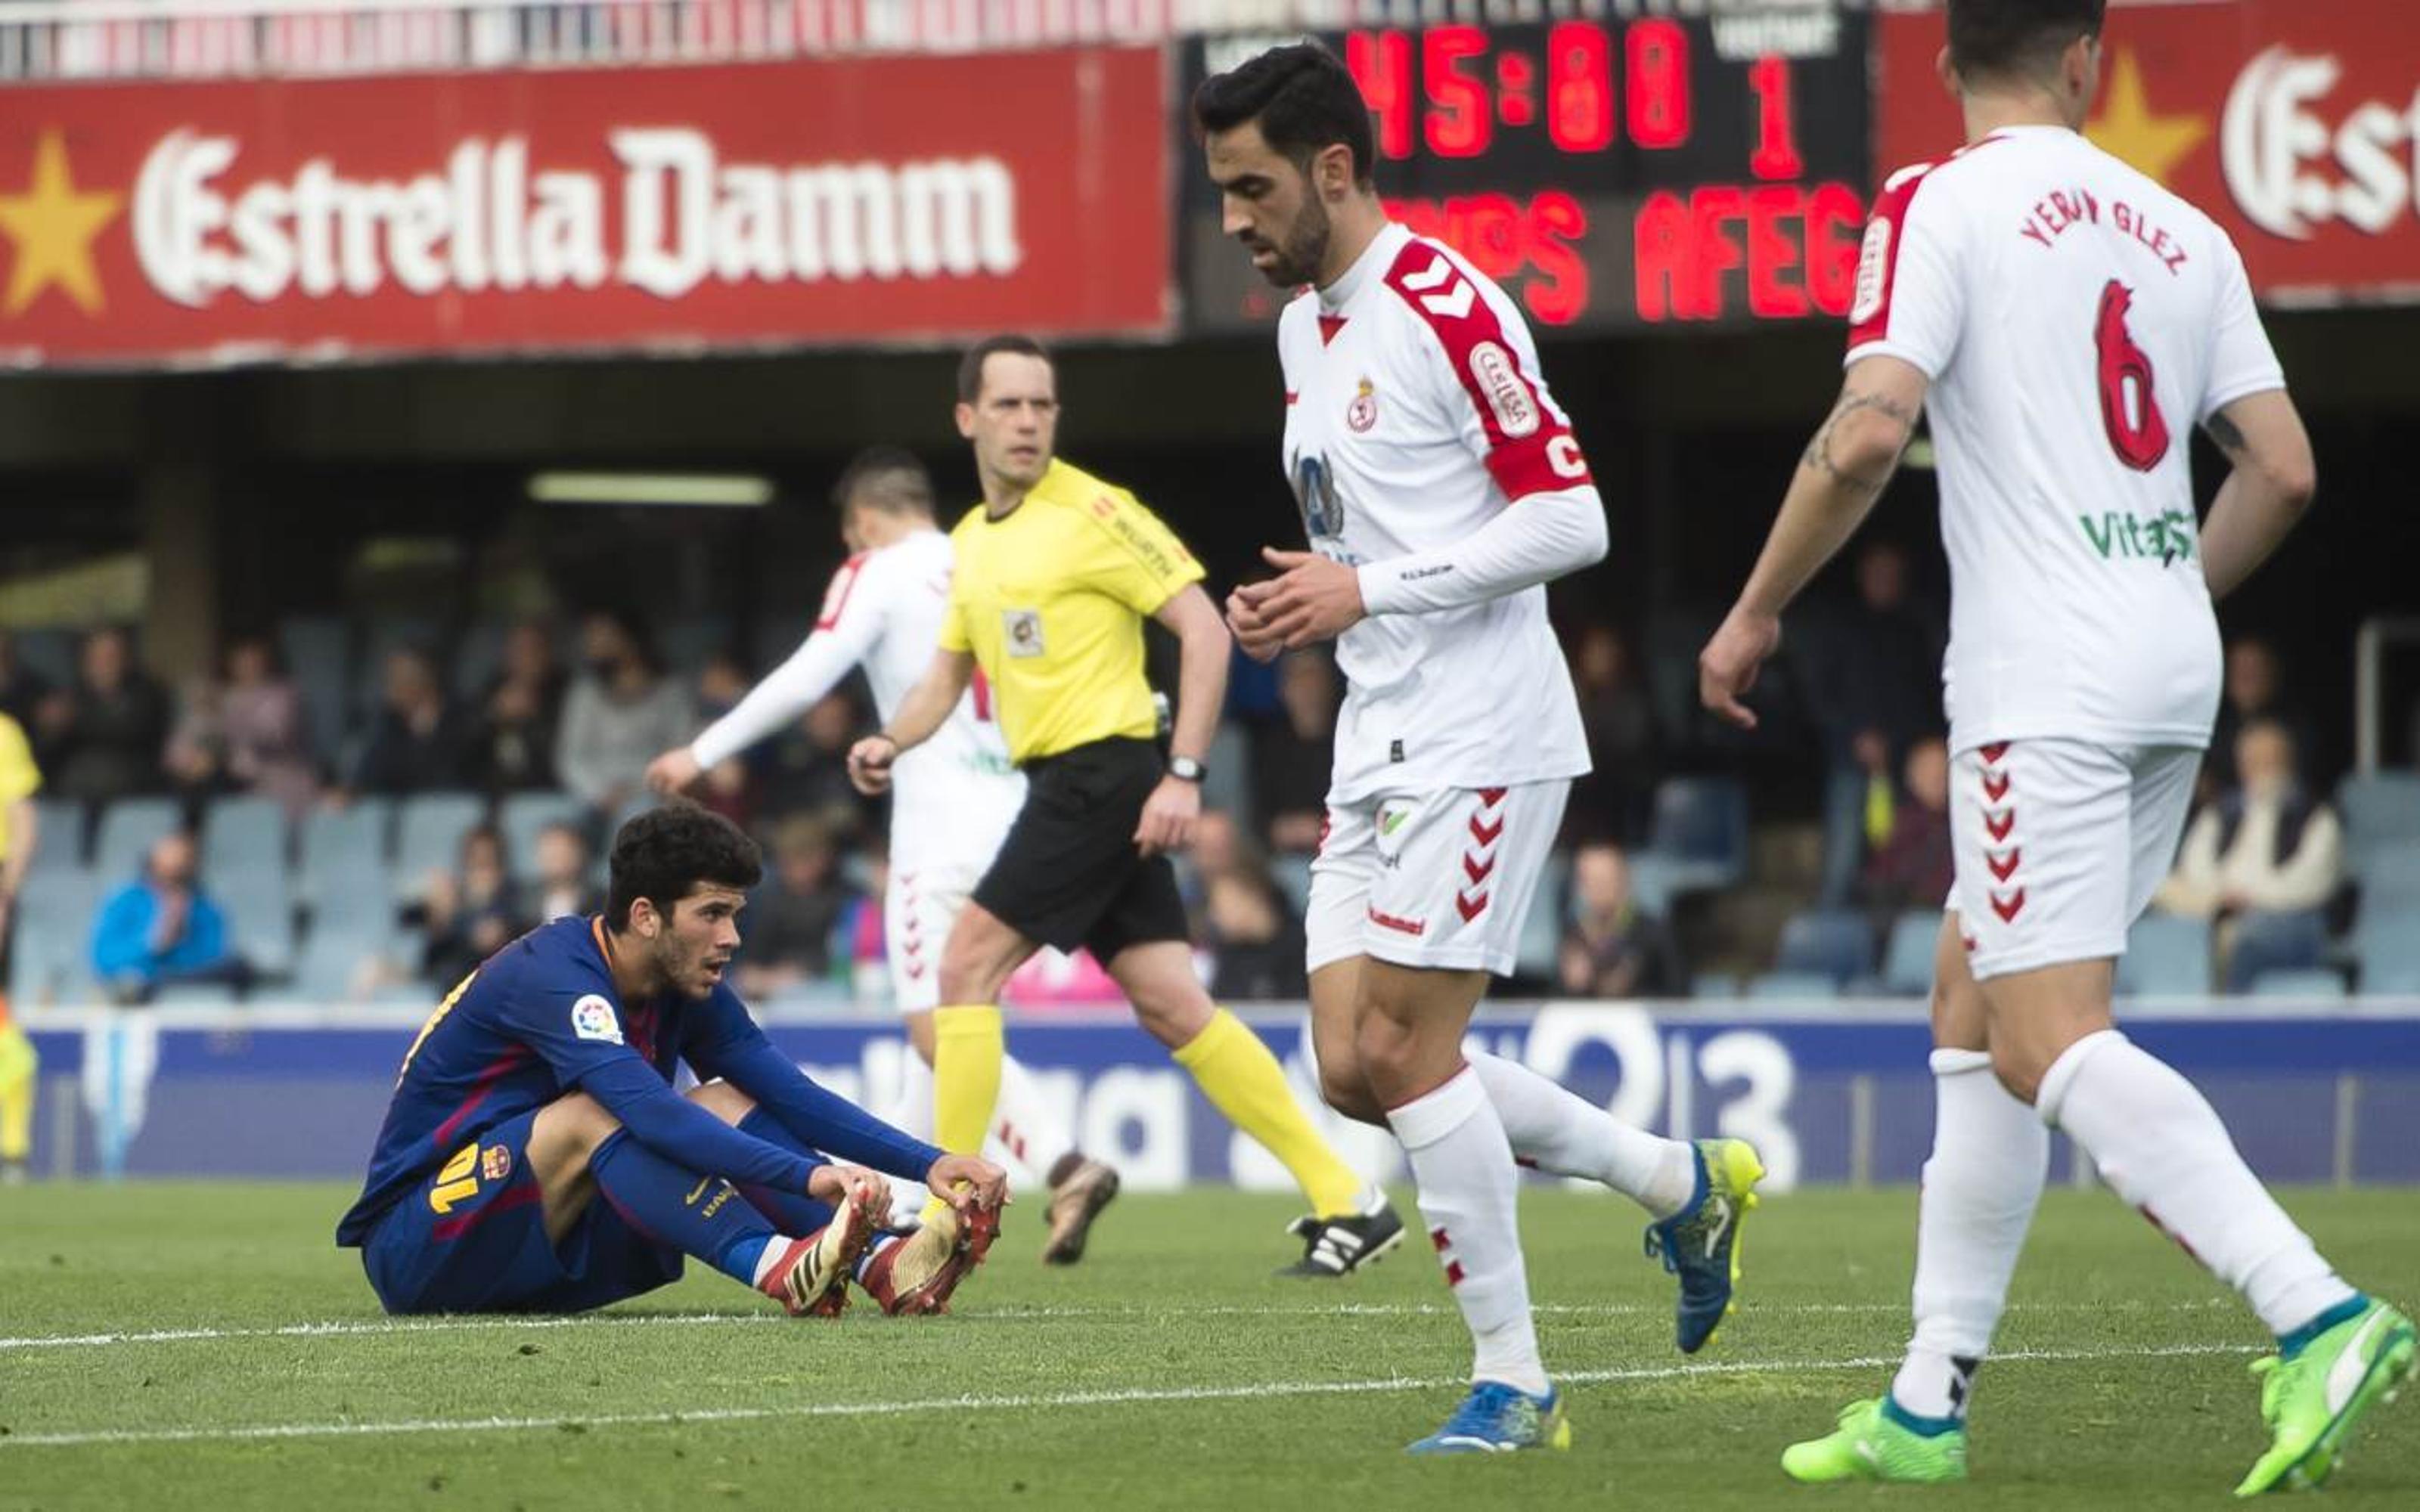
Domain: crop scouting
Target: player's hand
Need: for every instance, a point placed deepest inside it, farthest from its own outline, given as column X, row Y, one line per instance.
column 968, row 1184
column 1727, row 668
column 672, row 771
column 868, row 764
column 1169, row 816
column 835, row 1185
column 1250, row 631
column 1312, row 599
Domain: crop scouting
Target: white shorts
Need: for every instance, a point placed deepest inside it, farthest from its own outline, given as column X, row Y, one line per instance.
column 1441, row 880
column 941, row 846
column 2060, row 844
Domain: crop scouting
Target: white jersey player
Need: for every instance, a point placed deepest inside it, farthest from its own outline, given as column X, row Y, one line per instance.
column 954, row 799
column 2067, row 320
column 1441, row 488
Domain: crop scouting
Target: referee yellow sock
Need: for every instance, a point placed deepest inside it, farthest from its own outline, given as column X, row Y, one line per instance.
column 1242, row 1080
column 968, row 1048
column 17, row 1068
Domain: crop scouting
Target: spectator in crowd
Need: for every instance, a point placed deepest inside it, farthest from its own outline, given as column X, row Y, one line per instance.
column 1616, row 800
column 22, row 688
column 1876, row 680
column 2255, row 688
column 519, row 713
column 620, row 712
column 729, row 787
column 565, row 883
column 806, row 770
column 469, row 914
column 1255, row 944
column 420, row 741
column 102, row 739
column 1909, row 865
column 793, row 918
column 2266, row 848
column 1613, row 947
column 247, row 734
column 1293, row 756
column 163, row 929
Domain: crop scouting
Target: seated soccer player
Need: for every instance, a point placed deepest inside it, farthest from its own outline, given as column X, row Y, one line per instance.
column 536, row 1159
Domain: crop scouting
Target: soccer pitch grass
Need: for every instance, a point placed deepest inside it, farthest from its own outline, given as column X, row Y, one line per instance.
column 204, row 1346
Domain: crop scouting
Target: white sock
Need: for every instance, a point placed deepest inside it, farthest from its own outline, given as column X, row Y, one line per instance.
column 775, row 1248
column 1559, row 1132
column 2160, row 1144
column 1990, row 1155
column 910, row 1111
column 1468, row 1191
column 1026, row 1122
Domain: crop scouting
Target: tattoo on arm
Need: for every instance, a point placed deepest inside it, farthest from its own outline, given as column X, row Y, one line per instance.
column 2224, row 431
column 1819, row 451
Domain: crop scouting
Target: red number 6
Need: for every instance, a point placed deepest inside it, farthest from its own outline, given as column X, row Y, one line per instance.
column 2130, row 406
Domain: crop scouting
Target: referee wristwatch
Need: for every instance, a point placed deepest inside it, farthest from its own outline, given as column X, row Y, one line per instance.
column 1186, row 769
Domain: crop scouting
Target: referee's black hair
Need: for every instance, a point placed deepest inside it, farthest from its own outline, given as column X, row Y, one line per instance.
column 2012, row 38
column 1304, row 100
column 889, row 478
column 666, row 853
column 971, row 367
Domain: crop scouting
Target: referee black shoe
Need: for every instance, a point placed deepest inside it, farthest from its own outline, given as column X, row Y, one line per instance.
column 1340, row 1246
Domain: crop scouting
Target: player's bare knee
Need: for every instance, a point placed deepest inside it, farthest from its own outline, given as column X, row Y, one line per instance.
column 1349, row 1094
column 567, row 1131
column 724, row 1101
column 2019, row 1070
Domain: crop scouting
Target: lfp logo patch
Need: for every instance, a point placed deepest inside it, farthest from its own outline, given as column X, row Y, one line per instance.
column 591, row 1018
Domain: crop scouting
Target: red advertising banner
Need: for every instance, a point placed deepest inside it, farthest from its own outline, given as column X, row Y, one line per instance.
column 2297, row 125
column 876, row 200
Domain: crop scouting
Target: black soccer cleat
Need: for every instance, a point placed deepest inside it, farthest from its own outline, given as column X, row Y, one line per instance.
column 1340, row 1246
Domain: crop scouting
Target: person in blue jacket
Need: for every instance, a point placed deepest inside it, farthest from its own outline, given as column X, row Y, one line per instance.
column 162, row 928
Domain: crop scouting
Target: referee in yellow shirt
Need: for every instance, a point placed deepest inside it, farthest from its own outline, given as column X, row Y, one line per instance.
column 19, row 779
column 1054, row 575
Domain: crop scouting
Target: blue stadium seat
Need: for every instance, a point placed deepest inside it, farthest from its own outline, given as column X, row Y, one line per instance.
column 2313, row 984
column 2267, row 943
column 1229, row 786
column 522, row 815
column 428, row 830
column 49, row 650
column 2389, row 876
column 245, row 832
column 59, row 846
column 1290, row 871
column 684, row 644
column 1652, row 881
column 2380, row 811
column 259, row 904
column 51, row 957
column 129, row 828
column 1907, row 960
column 335, row 951
column 1804, row 986
column 344, row 850
column 194, row 994
column 2165, row 957
column 1700, row 830
column 1834, row 943
column 2389, row 953
column 1541, row 932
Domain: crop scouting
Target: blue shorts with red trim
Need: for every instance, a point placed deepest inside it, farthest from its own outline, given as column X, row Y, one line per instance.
column 472, row 1238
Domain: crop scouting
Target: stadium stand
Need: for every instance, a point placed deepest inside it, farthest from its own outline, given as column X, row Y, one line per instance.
column 1701, row 832
column 1907, row 956
column 2165, row 957
column 1834, row 944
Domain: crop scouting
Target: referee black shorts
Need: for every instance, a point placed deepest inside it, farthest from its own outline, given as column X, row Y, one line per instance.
column 1068, row 873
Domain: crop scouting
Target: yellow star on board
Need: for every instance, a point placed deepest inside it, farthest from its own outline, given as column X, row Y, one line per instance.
column 2127, row 128
column 53, row 226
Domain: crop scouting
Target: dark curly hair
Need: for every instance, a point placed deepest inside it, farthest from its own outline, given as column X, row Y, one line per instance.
column 664, row 853
column 1303, row 98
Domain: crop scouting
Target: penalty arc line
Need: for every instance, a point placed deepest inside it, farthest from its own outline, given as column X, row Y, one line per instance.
column 1137, row 1396
column 378, row 1328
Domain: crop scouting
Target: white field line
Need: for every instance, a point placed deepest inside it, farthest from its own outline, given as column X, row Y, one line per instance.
column 252, row 1432
column 379, row 1327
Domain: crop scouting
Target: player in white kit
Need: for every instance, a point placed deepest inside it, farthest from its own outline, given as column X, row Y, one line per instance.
column 1441, row 488
column 956, row 795
column 2066, row 320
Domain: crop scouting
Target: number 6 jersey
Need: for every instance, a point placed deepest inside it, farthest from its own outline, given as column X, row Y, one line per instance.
column 1416, row 415
column 2076, row 321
